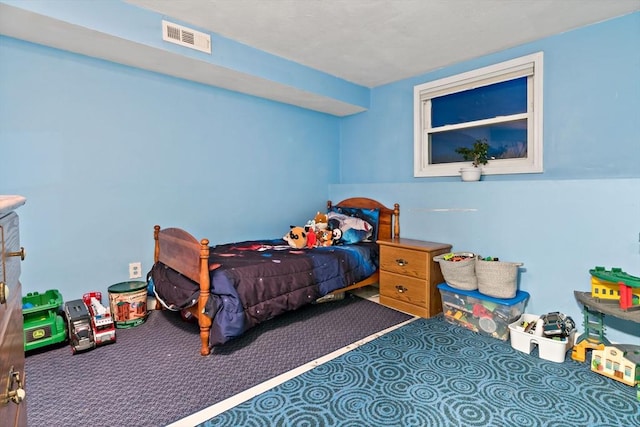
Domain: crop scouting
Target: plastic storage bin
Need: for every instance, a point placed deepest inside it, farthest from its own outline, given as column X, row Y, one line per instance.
column 551, row 349
column 481, row 313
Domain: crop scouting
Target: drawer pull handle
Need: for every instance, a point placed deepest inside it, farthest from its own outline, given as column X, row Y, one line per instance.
column 14, row 392
column 401, row 289
column 20, row 253
column 4, row 293
column 401, row 262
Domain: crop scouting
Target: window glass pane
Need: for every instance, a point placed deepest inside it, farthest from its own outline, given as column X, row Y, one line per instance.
column 498, row 99
column 506, row 141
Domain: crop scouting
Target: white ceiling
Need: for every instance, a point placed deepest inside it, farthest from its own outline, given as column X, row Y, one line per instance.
column 373, row 42
column 366, row 42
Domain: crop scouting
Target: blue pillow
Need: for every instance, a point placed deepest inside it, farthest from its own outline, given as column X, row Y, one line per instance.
column 371, row 216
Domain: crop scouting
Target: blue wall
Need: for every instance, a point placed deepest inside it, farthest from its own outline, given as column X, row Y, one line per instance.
column 104, row 151
column 583, row 211
column 591, row 111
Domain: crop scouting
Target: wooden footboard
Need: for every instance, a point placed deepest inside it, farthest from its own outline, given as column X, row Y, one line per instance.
column 182, row 252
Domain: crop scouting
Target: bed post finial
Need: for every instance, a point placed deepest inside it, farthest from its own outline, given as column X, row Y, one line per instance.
column 156, row 251
column 396, row 221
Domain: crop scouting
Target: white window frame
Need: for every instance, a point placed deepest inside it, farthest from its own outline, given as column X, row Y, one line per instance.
column 530, row 66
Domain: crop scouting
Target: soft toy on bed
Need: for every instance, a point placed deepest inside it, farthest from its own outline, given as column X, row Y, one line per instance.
column 296, row 237
column 324, row 237
column 321, row 221
column 312, row 238
column 347, row 229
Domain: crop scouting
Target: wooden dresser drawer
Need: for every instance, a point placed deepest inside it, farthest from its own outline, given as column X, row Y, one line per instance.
column 402, row 288
column 409, row 275
column 404, row 261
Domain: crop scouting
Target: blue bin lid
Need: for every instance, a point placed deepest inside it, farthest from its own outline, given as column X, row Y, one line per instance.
column 520, row 295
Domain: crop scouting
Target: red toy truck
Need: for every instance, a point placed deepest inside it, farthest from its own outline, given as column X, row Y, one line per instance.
column 104, row 330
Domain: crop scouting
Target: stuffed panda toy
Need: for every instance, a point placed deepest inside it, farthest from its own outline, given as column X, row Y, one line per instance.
column 296, row 237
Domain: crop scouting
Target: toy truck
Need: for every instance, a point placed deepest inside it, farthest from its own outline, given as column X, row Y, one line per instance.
column 43, row 323
column 79, row 324
column 104, row 330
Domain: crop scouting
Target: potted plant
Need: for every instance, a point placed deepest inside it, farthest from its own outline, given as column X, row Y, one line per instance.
column 478, row 154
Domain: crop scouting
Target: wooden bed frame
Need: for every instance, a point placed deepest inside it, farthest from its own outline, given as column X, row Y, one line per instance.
column 181, row 251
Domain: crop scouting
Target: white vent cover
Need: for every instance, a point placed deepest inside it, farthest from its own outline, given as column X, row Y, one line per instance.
column 186, row 37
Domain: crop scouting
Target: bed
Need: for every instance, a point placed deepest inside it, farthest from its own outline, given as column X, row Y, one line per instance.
column 232, row 287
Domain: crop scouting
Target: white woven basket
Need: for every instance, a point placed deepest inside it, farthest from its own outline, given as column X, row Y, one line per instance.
column 459, row 274
column 498, row 279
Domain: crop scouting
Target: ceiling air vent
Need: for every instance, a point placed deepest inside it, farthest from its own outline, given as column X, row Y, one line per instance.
column 186, row 37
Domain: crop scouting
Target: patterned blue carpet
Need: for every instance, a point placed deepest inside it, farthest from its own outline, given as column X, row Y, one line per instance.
column 432, row 373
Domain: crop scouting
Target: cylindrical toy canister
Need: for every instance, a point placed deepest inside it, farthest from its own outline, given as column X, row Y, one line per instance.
column 128, row 301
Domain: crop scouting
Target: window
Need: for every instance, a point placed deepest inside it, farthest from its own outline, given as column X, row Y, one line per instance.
column 501, row 104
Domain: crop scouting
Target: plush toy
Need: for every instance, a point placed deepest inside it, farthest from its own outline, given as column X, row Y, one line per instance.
column 296, row 237
column 336, row 236
column 347, row 229
column 311, row 237
column 310, row 225
column 324, row 237
column 321, row 221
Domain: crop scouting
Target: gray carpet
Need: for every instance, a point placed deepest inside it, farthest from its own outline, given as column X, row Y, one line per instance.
column 147, row 378
column 430, row 373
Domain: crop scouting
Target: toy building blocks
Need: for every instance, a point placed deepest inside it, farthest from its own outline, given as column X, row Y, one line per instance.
column 104, row 330
column 79, row 324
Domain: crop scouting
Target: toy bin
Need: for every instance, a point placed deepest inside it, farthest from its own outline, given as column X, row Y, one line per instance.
column 551, row 349
column 481, row 313
column 42, row 323
column 459, row 270
column 498, row 279
column 128, row 303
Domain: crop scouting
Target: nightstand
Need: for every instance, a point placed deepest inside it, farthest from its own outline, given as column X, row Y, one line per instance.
column 409, row 275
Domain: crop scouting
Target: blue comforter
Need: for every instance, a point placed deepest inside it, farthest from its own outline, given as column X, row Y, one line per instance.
column 258, row 280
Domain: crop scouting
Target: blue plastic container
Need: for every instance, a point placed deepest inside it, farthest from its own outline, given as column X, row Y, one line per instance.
column 482, row 313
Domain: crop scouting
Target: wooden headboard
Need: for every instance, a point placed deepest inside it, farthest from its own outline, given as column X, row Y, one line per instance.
column 389, row 222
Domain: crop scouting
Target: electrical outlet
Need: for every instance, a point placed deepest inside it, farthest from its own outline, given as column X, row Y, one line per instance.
column 135, row 270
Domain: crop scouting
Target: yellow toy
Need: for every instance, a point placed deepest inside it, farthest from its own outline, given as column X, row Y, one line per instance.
column 620, row 362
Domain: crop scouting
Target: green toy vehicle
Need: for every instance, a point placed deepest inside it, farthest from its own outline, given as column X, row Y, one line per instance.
column 43, row 323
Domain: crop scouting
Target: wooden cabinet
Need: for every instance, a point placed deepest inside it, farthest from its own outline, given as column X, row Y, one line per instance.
column 409, row 275
column 13, row 409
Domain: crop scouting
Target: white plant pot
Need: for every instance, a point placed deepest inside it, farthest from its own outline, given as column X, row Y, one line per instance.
column 470, row 173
